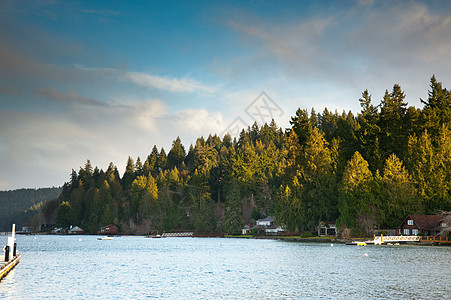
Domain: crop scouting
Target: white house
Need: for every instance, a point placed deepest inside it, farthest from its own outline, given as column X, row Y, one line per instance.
column 75, row 230
column 245, row 230
column 268, row 221
column 273, row 229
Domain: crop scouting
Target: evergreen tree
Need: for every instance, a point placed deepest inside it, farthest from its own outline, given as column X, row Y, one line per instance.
column 162, row 160
column 356, row 202
column 177, row 154
column 129, row 174
column 233, row 220
column 64, row 215
column 301, row 125
column 401, row 199
column 392, row 123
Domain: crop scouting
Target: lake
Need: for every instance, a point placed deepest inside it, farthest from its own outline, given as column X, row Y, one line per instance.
column 82, row 267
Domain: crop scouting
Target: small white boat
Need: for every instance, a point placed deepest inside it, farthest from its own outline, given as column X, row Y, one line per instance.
column 105, row 238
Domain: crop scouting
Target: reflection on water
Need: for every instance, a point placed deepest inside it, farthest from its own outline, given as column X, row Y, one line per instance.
column 74, row 267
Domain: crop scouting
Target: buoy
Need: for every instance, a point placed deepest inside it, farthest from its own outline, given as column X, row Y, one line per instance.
column 331, row 245
column 79, row 240
column 366, row 255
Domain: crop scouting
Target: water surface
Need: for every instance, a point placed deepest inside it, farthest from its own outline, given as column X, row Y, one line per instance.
column 82, row 267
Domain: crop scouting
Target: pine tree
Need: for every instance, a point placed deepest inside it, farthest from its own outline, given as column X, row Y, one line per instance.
column 392, row 123
column 356, row 204
column 177, row 154
column 401, row 199
column 64, row 215
column 301, row 125
column 129, row 174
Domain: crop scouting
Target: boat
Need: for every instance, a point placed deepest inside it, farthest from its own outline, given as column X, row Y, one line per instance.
column 105, row 238
column 154, row 234
column 357, row 243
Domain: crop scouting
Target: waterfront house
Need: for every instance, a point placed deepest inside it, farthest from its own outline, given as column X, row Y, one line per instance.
column 267, row 226
column 27, row 229
column 75, row 230
column 57, row 230
column 273, row 229
column 268, row 221
column 428, row 225
column 108, row 230
column 245, row 230
column 326, row 228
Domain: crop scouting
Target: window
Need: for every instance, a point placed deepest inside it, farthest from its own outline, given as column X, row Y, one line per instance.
column 443, row 224
column 407, row 231
column 414, row 231
column 409, row 222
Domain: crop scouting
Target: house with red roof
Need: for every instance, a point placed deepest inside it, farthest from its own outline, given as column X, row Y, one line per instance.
column 108, row 230
column 428, row 225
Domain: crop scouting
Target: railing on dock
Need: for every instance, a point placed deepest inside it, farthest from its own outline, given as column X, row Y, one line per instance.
column 434, row 239
column 379, row 240
column 395, row 239
column 177, row 234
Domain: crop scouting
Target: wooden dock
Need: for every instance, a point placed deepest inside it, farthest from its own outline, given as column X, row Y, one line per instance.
column 419, row 240
column 435, row 240
column 6, row 267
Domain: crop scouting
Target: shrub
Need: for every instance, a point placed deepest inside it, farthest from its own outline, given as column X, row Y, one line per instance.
column 306, row 234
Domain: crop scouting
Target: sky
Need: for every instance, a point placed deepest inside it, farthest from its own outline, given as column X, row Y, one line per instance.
column 105, row 80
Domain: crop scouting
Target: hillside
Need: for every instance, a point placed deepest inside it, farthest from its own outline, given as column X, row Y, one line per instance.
column 366, row 171
column 17, row 206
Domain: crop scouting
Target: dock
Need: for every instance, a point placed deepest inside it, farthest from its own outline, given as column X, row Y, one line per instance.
column 11, row 258
column 6, row 267
column 418, row 240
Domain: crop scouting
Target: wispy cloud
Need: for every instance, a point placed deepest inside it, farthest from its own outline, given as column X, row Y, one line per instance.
column 104, row 12
column 165, row 83
column 70, row 97
column 367, row 46
column 184, row 85
column 9, row 90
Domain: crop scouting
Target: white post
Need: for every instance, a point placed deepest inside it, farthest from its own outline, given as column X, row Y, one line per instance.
column 11, row 241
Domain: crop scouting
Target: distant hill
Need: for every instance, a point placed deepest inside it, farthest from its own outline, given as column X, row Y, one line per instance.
column 18, row 206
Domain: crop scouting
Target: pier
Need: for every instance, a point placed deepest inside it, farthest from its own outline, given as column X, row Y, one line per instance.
column 178, row 234
column 6, row 267
column 11, row 257
column 400, row 239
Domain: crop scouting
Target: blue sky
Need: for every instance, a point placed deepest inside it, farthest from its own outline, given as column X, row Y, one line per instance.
column 102, row 80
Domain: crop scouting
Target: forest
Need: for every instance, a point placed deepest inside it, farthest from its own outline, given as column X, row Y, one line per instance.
column 367, row 171
column 18, row 206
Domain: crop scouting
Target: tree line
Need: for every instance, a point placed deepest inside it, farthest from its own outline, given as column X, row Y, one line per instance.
column 367, row 171
column 17, row 206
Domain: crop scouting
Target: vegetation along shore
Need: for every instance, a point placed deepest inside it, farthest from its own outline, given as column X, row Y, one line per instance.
column 366, row 171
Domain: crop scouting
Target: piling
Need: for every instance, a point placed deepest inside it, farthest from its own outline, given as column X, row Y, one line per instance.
column 11, row 257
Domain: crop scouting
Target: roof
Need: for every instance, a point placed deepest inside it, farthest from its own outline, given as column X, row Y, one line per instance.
column 327, row 224
column 273, row 226
column 426, row 222
column 74, row 229
column 267, row 219
column 111, row 225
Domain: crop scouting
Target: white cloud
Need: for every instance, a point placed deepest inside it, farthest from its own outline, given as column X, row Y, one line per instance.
column 70, row 97
column 172, row 84
column 185, row 85
column 198, row 121
column 40, row 148
column 370, row 46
